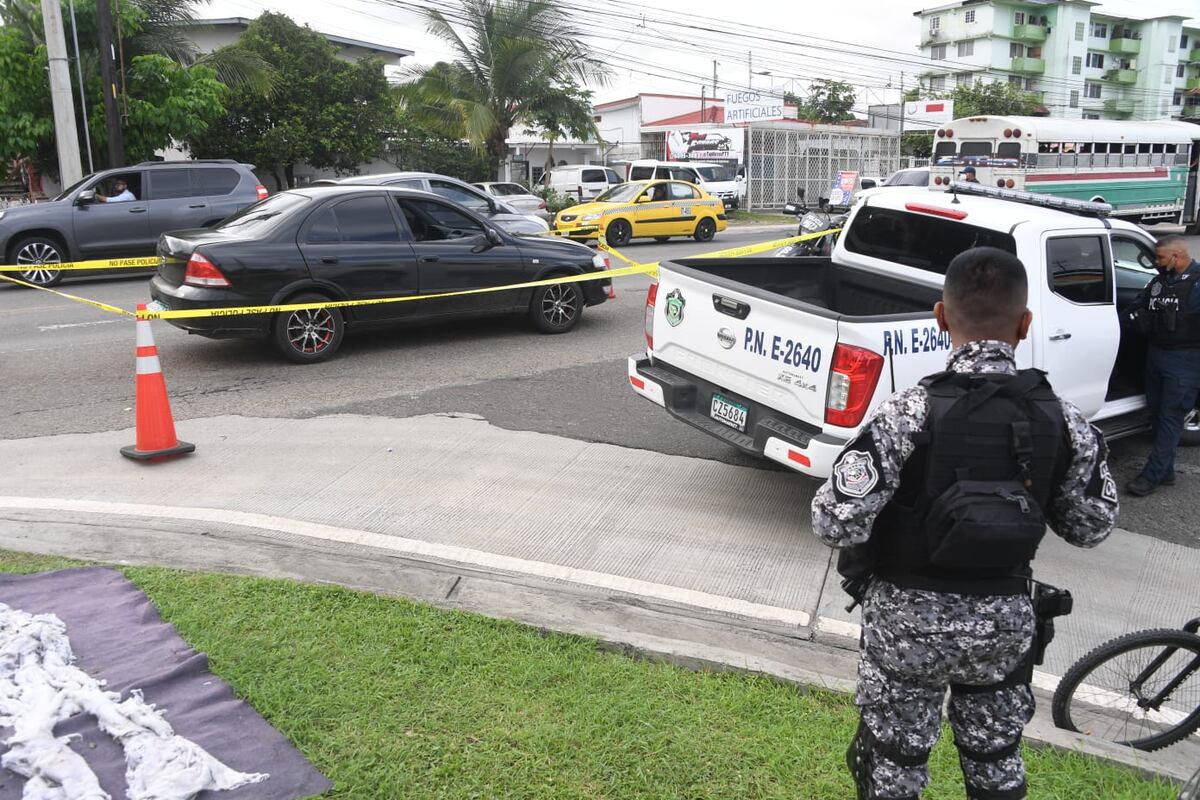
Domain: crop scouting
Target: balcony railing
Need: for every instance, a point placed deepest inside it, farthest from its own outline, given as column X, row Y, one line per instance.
column 1125, row 46
column 1029, row 33
column 1117, row 106
column 1191, row 112
column 1034, row 66
column 1193, row 83
column 1194, row 56
column 1125, row 76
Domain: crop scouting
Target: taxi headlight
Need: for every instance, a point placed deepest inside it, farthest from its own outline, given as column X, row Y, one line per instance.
column 589, row 218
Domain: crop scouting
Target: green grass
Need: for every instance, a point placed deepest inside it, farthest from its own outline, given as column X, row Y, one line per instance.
column 393, row 699
column 755, row 217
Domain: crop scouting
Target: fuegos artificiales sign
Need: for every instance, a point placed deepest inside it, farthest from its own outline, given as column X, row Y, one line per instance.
column 751, row 106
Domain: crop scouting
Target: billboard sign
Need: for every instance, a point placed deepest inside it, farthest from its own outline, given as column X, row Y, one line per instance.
column 843, row 187
column 713, row 144
column 928, row 113
column 752, row 106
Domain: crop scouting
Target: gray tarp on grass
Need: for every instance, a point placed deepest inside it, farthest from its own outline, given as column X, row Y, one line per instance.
column 118, row 636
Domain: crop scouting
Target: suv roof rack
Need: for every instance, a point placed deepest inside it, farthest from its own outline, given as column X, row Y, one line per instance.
column 1081, row 207
column 187, row 162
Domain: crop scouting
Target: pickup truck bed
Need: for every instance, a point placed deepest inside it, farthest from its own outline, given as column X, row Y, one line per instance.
column 817, row 285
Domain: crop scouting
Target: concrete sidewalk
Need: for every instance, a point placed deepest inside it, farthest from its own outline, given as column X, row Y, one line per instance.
column 689, row 558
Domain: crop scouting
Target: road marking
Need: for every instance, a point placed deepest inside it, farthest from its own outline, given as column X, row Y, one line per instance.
column 416, row 547
column 44, row 328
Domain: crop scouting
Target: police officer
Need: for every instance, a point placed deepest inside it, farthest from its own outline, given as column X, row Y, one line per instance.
column 943, row 498
column 1168, row 310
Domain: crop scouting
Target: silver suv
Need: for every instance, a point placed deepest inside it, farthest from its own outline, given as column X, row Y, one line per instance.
column 119, row 213
column 498, row 212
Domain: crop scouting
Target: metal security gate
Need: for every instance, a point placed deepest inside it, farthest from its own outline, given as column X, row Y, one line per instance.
column 784, row 157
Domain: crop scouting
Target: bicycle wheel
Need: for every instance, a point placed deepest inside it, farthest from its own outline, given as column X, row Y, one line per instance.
column 1191, row 789
column 1141, row 690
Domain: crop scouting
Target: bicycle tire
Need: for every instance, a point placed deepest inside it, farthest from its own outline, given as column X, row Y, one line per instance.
column 1191, row 789
column 1186, row 643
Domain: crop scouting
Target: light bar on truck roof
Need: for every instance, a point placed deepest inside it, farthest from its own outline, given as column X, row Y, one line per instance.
column 1032, row 199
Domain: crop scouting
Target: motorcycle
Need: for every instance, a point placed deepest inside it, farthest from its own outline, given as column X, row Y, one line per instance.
column 812, row 221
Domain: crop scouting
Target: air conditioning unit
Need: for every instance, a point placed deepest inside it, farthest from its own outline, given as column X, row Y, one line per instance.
column 934, row 33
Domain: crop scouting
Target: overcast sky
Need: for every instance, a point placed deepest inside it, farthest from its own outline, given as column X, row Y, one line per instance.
column 681, row 59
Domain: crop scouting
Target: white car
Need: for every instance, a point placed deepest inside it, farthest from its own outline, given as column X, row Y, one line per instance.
column 718, row 180
column 517, row 196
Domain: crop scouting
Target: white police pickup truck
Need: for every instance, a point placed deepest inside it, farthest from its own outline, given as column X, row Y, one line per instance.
column 785, row 357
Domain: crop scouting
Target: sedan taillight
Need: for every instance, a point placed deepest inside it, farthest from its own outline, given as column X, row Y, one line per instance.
column 202, row 272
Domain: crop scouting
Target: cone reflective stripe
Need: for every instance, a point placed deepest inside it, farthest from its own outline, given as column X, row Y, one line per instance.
column 155, row 426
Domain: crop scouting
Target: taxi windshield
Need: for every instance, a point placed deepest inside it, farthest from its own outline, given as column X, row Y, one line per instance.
column 622, row 193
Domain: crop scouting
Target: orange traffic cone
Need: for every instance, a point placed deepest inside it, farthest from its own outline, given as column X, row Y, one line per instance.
column 155, row 427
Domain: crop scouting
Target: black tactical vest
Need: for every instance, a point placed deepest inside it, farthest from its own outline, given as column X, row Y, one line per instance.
column 1172, row 326
column 970, row 509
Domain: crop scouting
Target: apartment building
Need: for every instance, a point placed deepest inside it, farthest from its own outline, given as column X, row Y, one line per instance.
column 1079, row 61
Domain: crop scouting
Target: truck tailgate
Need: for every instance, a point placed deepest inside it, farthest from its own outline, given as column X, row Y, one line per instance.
column 775, row 354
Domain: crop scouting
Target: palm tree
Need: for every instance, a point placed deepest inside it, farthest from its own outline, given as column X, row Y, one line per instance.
column 507, row 53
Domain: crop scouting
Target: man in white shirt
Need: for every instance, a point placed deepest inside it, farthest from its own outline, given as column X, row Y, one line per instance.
column 121, row 193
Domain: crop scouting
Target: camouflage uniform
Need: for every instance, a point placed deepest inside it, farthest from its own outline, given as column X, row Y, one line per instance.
column 916, row 643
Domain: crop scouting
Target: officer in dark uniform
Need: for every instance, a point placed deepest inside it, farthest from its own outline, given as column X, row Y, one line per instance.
column 1168, row 311
column 939, row 505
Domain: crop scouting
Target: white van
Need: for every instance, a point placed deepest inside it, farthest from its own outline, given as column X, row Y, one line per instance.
column 583, row 181
column 716, row 179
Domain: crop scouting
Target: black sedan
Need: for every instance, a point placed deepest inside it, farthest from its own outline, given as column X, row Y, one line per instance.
column 360, row 243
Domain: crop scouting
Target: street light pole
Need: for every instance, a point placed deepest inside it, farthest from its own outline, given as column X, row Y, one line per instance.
column 66, row 137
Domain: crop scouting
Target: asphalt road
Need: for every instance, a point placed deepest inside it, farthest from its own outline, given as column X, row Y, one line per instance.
column 68, row 368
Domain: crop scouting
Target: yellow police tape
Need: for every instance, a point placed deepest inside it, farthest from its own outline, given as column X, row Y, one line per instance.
column 635, row 268
column 84, row 300
column 101, row 263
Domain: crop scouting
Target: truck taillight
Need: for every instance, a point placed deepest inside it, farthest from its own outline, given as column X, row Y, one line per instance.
column 202, row 272
column 651, row 298
column 852, row 381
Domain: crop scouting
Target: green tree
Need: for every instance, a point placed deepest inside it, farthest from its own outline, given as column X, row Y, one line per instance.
column 994, row 98
column 165, row 101
column 413, row 146
column 324, row 111
column 828, row 101
column 562, row 111
column 508, row 54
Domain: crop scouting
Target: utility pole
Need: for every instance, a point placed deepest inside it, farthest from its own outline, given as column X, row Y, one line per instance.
column 66, row 137
column 87, row 134
column 901, row 110
column 112, row 117
column 714, row 87
column 703, row 103
column 749, row 69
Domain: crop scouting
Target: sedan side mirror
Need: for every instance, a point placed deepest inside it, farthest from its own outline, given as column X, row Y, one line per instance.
column 85, row 197
column 644, row 198
column 493, row 237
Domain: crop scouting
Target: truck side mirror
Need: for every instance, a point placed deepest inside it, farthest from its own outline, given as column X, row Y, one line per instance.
column 86, row 197
column 867, row 183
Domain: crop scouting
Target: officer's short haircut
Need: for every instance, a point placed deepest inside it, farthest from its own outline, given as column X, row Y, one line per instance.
column 985, row 287
column 1171, row 241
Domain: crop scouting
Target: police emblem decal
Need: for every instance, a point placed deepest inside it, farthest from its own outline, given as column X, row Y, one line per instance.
column 726, row 338
column 1155, row 289
column 674, row 309
column 855, row 474
column 1108, row 487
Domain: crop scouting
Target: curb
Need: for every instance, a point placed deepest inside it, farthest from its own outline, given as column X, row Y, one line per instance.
column 658, row 630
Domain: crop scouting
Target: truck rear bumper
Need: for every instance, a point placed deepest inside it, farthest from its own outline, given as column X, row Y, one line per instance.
column 788, row 441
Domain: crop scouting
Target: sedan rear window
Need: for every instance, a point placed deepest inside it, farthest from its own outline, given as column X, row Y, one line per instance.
column 918, row 240
column 263, row 217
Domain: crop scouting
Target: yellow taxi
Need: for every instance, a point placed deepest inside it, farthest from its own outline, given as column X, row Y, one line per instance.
column 659, row 209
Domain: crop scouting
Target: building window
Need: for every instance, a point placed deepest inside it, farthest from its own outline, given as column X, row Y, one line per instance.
column 1167, row 76
column 1179, row 71
column 1019, row 18
column 1177, row 99
column 1015, row 80
column 1095, row 60
column 1074, row 98
column 1076, row 65
column 1015, row 50
column 1172, row 45
column 966, row 49
column 937, row 83
column 962, row 79
column 1091, row 90
column 1030, row 84
column 1100, row 30
column 938, row 52
column 1183, row 42
column 934, row 23
column 1079, row 26
column 969, row 17
column 1091, row 116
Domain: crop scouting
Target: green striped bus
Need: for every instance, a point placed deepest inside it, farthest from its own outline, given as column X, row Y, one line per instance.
column 1145, row 170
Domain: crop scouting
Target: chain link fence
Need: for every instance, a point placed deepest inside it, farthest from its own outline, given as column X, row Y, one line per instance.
column 783, row 159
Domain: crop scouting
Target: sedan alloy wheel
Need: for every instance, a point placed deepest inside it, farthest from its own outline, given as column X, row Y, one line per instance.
column 37, row 255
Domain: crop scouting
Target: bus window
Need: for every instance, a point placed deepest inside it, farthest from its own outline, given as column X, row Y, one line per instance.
column 1008, row 150
column 1156, row 154
column 1100, row 147
column 1047, row 147
column 975, row 149
column 944, row 150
